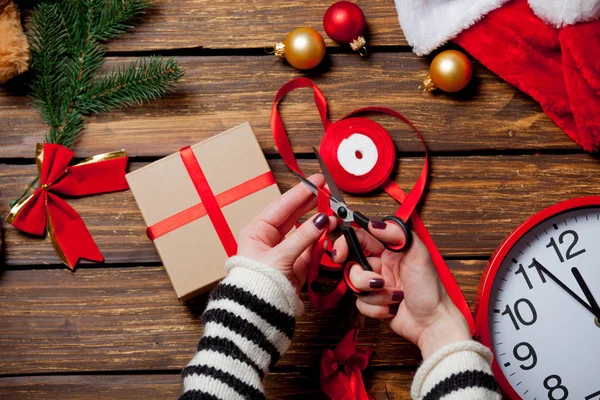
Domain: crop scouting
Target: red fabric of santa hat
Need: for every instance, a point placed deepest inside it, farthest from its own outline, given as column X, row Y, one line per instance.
column 558, row 67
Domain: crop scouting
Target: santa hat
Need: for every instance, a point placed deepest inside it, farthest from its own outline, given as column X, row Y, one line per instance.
column 428, row 24
column 555, row 60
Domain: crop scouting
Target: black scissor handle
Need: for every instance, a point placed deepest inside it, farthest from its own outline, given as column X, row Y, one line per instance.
column 355, row 256
column 405, row 226
column 361, row 220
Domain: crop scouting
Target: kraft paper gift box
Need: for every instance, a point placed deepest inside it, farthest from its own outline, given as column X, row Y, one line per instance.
column 193, row 237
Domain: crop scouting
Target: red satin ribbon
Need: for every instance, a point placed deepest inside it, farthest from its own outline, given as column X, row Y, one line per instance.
column 323, row 301
column 334, row 133
column 198, row 211
column 45, row 210
column 341, row 370
column 210, row 205
column 379, row 176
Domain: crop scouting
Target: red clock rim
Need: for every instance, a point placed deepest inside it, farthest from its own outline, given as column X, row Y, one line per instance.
column 487, row 278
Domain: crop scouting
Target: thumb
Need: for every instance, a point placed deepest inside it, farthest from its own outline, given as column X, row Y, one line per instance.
column 308, row 233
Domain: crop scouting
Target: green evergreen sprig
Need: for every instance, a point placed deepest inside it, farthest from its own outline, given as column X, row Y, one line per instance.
column 65, row 38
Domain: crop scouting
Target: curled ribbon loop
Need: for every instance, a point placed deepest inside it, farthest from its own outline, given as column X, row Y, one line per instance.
column 45, row 210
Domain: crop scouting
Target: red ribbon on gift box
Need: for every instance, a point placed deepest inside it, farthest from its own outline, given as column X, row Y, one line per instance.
column 45, row 210
column 210, row 204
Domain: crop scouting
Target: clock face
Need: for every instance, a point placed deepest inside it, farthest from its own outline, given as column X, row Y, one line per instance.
column 543, row 313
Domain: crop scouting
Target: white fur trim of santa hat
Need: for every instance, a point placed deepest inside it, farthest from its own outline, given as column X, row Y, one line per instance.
column 428, row 24
column 565, row 12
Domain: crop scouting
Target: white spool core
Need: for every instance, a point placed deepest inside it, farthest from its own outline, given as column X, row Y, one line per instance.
column 357, row 154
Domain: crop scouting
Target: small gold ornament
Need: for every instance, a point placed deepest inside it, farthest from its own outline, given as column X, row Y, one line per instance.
column 303, row 48
column 450, row 71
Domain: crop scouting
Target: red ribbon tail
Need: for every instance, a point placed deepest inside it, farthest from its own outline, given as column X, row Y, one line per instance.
column 356, row 383
column 69, row 234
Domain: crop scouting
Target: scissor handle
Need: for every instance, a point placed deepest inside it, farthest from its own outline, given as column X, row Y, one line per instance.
column 355, row 256
column 405, row 226
column 361, row 220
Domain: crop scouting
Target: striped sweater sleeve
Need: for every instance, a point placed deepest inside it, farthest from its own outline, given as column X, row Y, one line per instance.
column 457, row 371
column 248, row 324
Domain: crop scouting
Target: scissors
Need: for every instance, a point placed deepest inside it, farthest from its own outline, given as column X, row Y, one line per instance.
column 348, row 216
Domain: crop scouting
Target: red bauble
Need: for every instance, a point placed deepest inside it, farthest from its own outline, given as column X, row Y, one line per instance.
column 344, row 22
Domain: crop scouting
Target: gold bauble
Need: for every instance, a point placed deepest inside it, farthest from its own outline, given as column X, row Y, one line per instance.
column 303, row 48
column 450, row 71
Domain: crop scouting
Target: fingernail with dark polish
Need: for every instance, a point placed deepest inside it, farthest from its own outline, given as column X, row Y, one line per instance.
column 321, row 221
column 376, row 283
column 378, row 224
column 398, row 295
column 394, row 309
column 333, row 254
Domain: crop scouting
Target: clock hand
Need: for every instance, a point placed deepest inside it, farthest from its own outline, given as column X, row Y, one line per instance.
column 586, row 291
column 543, row 269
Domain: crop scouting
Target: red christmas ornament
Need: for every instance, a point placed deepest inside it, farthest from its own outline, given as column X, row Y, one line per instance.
column 344, row 22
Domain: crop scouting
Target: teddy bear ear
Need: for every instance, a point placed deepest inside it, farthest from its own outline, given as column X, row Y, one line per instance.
column 15, row 57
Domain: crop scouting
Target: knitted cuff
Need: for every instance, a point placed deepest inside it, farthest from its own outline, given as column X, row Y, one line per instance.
column 264, row 281
column 452, row 361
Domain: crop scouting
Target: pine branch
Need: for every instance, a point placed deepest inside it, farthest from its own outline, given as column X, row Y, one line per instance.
column 142, row 81
column 89, row 57
column 47, row 38
column 115, row 17
column 65, row 38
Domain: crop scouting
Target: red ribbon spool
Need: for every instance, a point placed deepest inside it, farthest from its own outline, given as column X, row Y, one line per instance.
column 386, row 154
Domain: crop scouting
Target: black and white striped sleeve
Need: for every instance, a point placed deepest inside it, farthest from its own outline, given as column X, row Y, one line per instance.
column 248, row 324
column 457, row 371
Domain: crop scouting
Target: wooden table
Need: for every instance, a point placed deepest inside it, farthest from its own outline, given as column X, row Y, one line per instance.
column 116, row 330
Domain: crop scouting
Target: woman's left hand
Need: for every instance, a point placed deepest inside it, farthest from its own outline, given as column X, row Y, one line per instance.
column 264, row 238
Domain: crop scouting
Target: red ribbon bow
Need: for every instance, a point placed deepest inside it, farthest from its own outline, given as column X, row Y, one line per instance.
column 45, row 210
column 341, row 377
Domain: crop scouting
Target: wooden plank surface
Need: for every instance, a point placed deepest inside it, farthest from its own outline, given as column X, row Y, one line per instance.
column 242, row 24
column 492, row 116
column 302, row 384
column 129, row 319
column 117, row 330
column 472, row 204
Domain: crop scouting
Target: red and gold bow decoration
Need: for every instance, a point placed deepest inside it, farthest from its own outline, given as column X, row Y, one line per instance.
column 341, row 377
column 45, row 210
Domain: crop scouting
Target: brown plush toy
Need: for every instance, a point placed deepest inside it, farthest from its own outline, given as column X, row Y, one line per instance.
column 14, row 49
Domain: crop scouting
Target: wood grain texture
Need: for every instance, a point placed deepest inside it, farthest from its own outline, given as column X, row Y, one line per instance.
column 240, row 24
column 129, row 319
column 218, row 93
column 291, row 385
column 471, row 205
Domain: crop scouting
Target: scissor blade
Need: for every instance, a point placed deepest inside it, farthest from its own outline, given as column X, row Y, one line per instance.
column 308, row 183
column 333, row 189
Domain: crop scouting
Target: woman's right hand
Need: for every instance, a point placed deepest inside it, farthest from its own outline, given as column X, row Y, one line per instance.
column 404, row 290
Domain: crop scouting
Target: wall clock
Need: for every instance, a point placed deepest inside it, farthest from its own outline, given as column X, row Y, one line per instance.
column 537, row 307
